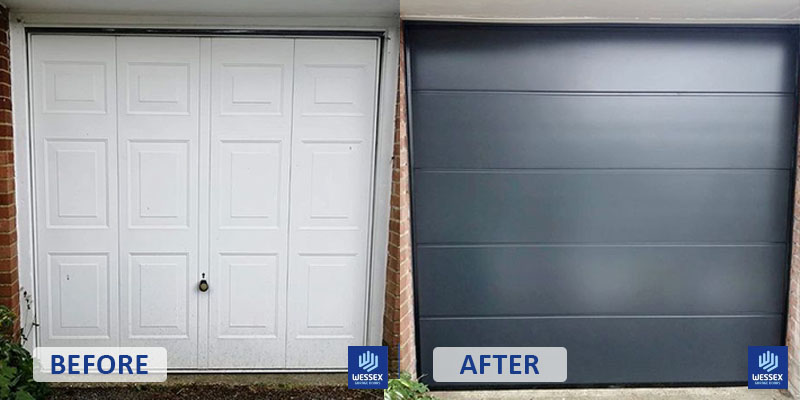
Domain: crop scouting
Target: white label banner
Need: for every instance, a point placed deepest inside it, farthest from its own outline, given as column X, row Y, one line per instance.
column 500, row 364
column 100, row 364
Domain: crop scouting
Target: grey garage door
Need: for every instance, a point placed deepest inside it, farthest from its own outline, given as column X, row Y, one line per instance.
column 621, row 192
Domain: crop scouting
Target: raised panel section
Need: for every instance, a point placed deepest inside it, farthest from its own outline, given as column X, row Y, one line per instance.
column 75, row 176
column 338, row 90
column 324, row 311
column 248, row 290
column 79, row 295
column 250, row 183
column 158, row 88
column 74, row 87
column 252, row 89
column 329, row 310
column 334, row 90
column 158, row 295
column 159, row 183
column 77, row 183
column 334, row 184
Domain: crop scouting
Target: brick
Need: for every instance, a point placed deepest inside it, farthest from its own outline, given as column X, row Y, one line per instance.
column 7, row 211
column 6, row 158
column 9, row 272
column 6, row 290
column 6, row 199
column 8, row 238
column 399, row 306
column 11, row 302
column 6, row 186
column 8, row 224
column 9, row 276
column 8, row 251
column 793, row 312
column 6, row 142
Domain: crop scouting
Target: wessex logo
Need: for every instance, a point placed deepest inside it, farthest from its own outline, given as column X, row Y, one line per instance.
column 367, row 367
column 766, row 367
column 368, row 361
column 768, row 361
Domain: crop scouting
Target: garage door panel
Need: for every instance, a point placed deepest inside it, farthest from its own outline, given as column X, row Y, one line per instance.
column 159, row 184
column 159, row 88
column 601, row 130
column 78, row 89
column 80, row 297
column 600, row 280
column 248, row 294
column 74, row 156
column 160, row 289
column 610, row 59
column 601, row 206
column 328, row 184
column 252, row 195
column 620, row 350
column 77, row 183
column 75, row 87
column 323, row 313
column 251, row 129
column 332, row 153
column 252, row 88
column 159, row 127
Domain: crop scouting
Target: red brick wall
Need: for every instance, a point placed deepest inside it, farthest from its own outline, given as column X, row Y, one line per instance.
column 9, row 278
column 793, row 317
column 398, row 316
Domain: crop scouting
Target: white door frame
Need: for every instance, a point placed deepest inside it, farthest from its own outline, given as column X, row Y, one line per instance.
column 386, row 26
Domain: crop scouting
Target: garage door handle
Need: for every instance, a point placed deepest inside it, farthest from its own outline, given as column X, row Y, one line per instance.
column 203, row 286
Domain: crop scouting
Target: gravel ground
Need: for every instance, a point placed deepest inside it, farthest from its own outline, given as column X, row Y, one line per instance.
column 217, row 391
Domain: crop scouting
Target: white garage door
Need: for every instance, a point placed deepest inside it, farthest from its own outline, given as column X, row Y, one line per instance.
column 161, row 161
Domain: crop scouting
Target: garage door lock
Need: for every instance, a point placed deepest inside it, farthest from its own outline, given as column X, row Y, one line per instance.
column 203, row 286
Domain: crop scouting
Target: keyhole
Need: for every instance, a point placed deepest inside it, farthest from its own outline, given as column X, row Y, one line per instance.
column 203, row 285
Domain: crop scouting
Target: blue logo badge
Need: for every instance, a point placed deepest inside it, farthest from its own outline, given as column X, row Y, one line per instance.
column 767, row 367
column 367, row 367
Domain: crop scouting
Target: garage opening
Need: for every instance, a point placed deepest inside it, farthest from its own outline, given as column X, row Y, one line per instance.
column 623, row 192
column 246, row 164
